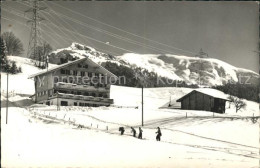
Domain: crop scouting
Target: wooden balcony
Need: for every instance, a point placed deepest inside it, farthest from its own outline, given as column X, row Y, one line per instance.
column 62, row 85
column 81, row 97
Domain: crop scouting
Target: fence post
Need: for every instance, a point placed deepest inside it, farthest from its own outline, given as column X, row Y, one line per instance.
column 97, row 125
column 107, row 128
column 186, row 115
column 91, row 124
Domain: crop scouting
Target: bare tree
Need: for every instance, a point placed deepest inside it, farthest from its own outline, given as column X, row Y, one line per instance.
column 239, row 103
column 42, row 53
column 13, row 44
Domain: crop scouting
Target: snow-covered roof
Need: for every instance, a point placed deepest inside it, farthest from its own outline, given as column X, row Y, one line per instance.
column 70, row 63
column 208, row 91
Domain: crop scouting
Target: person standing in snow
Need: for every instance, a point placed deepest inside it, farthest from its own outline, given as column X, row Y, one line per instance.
column 159, row 134
column 140, row 136
column 133, row 131
column 122, row 130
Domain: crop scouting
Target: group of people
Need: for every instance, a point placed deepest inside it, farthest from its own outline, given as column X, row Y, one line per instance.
column 140, row 135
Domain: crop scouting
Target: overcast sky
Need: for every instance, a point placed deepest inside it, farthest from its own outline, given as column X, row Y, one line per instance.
column 225, row 30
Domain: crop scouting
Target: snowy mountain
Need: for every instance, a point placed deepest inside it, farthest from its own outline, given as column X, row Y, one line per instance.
column 192, row 70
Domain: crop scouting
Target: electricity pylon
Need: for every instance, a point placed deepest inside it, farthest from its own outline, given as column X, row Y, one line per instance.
column 35, row 40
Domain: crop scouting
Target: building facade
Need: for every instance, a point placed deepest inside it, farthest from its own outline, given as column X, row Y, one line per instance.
column 196, row 100
column 78, row 83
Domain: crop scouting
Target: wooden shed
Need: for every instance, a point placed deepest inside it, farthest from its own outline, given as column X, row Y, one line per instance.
column 204, row 100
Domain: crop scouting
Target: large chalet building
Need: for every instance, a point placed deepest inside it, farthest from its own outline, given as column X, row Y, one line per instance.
column 78, row 83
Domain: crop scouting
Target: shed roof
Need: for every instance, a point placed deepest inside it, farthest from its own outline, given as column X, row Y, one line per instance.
column 70, row 63
column 207, row 91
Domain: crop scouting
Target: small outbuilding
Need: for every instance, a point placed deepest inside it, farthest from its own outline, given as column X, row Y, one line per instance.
column 204, row 99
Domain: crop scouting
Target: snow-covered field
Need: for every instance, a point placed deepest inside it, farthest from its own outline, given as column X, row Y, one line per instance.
column 31, row 142
column 41, row 136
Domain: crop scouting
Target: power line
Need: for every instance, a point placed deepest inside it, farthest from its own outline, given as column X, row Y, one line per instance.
column 115, row 35
column 66, row 23
column 123, row 30
column 62, row 37
column 20, row 15
column 112, row 34
column 93, row 39
column 57, row 27
column 85, row 36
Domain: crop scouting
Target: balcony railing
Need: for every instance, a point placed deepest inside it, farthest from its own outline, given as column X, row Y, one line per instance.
column 79, row 87
column 81, row 97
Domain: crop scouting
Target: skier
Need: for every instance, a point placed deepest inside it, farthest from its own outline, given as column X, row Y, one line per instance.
column 159, row 134
column 122, row 130
column 133, row 131
column 140, row 136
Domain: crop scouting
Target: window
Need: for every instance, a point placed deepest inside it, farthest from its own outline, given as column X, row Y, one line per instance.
column 86, row 104
column 89, row 74
column 86, row 94
column 82, row 73
column 78, row 93
column 67, row 72
column 65, row 80
column 75, row 104
column 62, row 71
column 79, row 66
column 86, row 66
column 56, row 80
column 86, row 73
column 93, row 94
column 64, row 103
column 75, row 73
column 81, row 104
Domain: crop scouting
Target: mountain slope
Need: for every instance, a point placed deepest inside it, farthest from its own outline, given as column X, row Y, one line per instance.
column 192, row 70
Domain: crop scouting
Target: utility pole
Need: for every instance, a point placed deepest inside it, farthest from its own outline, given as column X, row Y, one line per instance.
column 47, row 66
column 142, row 104
column 58, row 101
column 7, row 98
column 35, row 35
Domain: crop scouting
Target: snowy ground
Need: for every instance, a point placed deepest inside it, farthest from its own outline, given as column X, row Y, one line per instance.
column 27, row 141
column 41, row 136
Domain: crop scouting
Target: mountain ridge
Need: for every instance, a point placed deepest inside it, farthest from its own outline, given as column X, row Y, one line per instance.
column 192, row 70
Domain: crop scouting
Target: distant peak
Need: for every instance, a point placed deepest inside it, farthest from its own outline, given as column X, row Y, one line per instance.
column 78, row 46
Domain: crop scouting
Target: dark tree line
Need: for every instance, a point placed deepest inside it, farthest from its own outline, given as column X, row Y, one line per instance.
column 245, row 91
column 136, row 77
